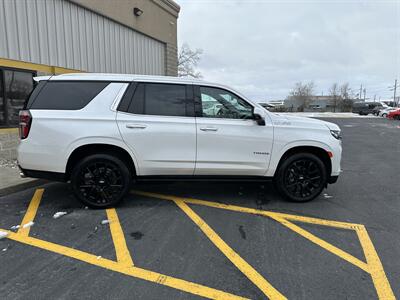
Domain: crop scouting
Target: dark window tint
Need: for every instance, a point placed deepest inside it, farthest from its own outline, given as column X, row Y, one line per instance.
column 71, row 95
column 32, row 96
column 159, row 99
column 137, row 104
column 126, row 99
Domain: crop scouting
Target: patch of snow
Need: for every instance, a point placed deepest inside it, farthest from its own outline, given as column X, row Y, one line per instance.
column 104, row 222
column 327, row 196
column 98, row 257
column 15, row 227
column 27, row 225
column 59, row 214
column 4, row 249
column 327, row 115
column 3, row 234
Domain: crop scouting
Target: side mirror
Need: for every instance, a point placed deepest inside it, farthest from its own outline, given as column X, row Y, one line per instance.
column 258, row 116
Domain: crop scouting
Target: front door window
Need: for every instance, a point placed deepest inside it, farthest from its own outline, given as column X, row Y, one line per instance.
column 219, row 103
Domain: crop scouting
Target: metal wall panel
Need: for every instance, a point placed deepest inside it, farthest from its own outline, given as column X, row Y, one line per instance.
column 60, row 33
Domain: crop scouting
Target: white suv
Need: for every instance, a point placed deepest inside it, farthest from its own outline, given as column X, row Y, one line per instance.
column 102, row 131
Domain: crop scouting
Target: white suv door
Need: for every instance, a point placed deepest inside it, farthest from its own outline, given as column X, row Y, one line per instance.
column 158, row 125
column 229, row 141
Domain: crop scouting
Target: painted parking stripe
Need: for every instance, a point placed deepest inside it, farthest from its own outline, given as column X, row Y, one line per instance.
column 320, row 242
column 31, row 212
column 121, row 249
column 235, row 258
column 176, row 283
column 253, row 211
column 373, row 266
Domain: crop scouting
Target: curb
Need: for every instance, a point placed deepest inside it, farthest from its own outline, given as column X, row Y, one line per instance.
column 21, row 186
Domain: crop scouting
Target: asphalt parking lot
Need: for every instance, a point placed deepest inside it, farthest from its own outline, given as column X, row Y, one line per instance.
column 216, row 240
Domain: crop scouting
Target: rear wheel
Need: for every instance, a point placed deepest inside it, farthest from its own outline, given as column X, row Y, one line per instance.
column 384, row 115
column 100, row 180
column 301, row 177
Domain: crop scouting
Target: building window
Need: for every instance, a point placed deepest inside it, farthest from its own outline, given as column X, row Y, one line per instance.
column 15, row 87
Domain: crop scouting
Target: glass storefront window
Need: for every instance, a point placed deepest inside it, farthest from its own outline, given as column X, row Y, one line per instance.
column 15, row 88
column 2, row 106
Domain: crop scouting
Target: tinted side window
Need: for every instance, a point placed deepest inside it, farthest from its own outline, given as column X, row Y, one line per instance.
column 137, row 104
column 159, row 99
column 127, row 98
column 36, row 90
column 67, row 95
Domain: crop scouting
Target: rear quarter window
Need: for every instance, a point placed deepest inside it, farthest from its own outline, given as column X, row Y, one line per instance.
column 66, row 95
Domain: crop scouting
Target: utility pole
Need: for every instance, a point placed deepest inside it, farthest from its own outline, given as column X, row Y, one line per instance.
column 365, row 91
column 394, row 89
column 359, row 95
column 375, row 98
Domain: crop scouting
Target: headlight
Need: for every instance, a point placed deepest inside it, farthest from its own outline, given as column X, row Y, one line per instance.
column 336, row 134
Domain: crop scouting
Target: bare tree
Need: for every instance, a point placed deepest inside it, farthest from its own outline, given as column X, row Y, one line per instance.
column 302, row 93
column 334, row 92
column 187, row 62
column 345, row 94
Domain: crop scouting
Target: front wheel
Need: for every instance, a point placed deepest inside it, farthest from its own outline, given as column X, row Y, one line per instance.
column 301, row 177
column 100, row 180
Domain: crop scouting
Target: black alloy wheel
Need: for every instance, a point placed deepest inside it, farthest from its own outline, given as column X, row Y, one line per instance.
column 301, row 177
column 100, row 180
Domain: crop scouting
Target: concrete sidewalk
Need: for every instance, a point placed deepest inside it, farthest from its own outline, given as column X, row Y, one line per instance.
column 10, row 180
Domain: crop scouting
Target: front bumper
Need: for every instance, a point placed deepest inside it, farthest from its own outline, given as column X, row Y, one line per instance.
column 333, row 179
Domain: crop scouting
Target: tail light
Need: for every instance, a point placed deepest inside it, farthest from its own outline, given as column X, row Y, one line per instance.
column 25, row 121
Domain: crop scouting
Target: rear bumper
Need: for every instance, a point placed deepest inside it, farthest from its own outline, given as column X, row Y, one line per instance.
column 54, row 176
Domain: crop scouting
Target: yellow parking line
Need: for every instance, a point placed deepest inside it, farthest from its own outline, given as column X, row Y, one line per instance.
column 281, row 218
column 121, row 249
column 31, row 212
column 235, row 258
column 252, row 210
column 375, row 266
column 180, row 284
column 320, row 242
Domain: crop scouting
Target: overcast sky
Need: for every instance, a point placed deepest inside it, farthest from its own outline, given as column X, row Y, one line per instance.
column 262, row 48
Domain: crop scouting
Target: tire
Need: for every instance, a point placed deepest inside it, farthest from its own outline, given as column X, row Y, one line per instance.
column 384, row 115
column 100, row 180
column 301, row 177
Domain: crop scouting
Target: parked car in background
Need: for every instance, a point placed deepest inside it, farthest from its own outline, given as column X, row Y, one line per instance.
column 103, row 131
column 384, row 112
column 378, row 108
column 267, row 106
column 365, row 108
column 394, row 114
